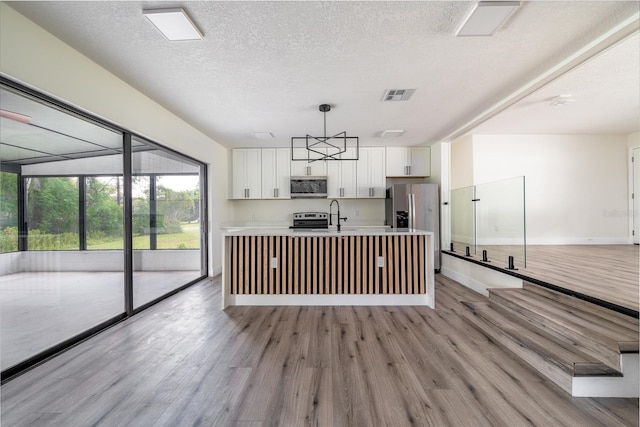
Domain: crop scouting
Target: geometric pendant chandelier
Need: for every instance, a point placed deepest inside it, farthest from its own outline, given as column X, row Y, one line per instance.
column 324, row 147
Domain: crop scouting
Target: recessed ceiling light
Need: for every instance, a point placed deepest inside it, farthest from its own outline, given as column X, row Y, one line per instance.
column 562, row 100
column 391, row 133
column 486, row 18
column 263, row 135
column 174, row 24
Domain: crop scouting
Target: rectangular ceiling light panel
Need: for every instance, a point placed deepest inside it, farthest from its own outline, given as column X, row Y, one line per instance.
column 391, row 133
column 487, row 17
column 263, row 135
column 174, row 24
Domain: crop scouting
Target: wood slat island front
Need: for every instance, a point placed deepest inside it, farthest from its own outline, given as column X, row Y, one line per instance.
column 365, row 266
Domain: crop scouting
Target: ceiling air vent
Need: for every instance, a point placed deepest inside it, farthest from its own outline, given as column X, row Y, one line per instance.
column 398, row 94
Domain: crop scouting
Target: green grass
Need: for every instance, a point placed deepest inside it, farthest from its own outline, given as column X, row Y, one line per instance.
column 190, row 238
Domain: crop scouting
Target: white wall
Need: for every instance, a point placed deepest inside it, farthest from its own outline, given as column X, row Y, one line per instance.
column 36, row 58
column 633, row 140
column 440, row 174
column 436, row 165
column 576, row 185
column 633, row 144
column 462, row 162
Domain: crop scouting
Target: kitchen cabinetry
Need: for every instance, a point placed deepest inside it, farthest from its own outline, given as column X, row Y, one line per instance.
column 408, row 161
column 276, row 173
column 304, row 168
column 341, row 176
column 246, row 170
column 326, row 256
column 371, row 173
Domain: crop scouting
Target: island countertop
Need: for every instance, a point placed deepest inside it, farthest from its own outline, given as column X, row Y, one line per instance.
column 357, row 265
column 332, row 231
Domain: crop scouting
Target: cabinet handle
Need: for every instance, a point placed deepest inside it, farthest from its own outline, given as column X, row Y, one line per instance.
column 409, row 167
column 277, row 190
column 248, row 192
column 370, row 191
column 308, row 170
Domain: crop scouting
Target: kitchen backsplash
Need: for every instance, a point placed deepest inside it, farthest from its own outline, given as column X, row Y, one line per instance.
column 356, row 210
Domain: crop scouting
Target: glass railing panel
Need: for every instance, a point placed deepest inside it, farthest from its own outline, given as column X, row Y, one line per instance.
column 462, row 223
column 500, row 221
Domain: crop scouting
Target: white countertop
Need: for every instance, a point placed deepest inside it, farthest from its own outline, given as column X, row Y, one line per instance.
column 330, row 232
column 240, row 225
column 243, row 225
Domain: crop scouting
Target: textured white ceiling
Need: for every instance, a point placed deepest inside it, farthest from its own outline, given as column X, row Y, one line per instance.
column 265, row 66
column 606, row 91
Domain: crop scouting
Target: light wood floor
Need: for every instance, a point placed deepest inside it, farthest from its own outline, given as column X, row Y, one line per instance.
column 186, row 362
column 607, row 272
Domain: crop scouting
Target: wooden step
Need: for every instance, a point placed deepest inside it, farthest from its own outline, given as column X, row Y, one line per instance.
column 552, row 359
column 594, row 317
column 631, row 323
column 576, row 329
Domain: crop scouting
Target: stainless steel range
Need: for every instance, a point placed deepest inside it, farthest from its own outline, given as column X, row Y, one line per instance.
column 307, row 220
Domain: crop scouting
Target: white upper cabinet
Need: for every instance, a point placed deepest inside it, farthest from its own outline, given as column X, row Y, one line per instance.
column 371, row 173
column 276, row 173
column 420, row 161
column 396, row 163
column 305, row 168
column 247, row 176
column 408, row 161
column 341, row 176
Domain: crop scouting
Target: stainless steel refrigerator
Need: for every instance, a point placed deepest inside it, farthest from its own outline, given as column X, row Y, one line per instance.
column 415, row 206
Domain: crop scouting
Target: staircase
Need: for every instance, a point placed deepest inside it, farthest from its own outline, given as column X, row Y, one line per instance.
column 585, row 349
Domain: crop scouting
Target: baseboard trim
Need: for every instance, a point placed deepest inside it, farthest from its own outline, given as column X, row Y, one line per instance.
column 332, row 300
column 628, row 385
column 476, row 277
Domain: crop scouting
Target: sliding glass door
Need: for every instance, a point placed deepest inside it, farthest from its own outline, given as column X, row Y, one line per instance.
column 167, row 221
column 64, row 208
column 51, row 289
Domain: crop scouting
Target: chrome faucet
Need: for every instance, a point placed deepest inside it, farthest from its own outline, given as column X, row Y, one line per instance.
column 338, row 214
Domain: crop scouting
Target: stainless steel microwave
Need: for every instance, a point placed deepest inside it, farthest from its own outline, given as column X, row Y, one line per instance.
column 306, row 187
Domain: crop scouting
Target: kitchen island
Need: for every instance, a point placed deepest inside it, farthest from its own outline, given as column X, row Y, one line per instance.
column 354, row 266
